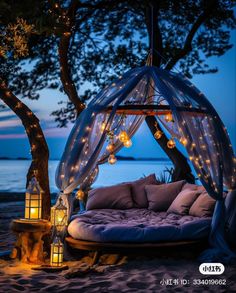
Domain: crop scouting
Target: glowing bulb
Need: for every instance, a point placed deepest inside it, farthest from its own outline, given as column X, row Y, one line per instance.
column 183, row 140
column 110, row 147
column 112, row 159
column 171, row 143
column 169, row 117
column 103, row 127
column 80, row 194
column 158, row 134
column 123, row 136
column 128, row 143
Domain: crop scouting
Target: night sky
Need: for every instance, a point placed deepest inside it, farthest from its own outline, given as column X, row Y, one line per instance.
column 220, row 89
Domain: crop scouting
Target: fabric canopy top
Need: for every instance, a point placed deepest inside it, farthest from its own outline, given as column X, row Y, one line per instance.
column 123, row 105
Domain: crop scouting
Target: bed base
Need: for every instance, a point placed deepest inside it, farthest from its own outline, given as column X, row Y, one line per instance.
column 115, row 247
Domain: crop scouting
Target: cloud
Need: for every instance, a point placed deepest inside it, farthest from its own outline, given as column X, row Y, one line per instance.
column 10, row 123
column 12, row 136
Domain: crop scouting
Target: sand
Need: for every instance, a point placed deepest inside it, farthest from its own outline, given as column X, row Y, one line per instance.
column 112, row 274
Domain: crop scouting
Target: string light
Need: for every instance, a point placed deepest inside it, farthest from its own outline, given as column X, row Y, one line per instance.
column 103, row 126
column 171, row 143
column 183, row 141
column 158, row 134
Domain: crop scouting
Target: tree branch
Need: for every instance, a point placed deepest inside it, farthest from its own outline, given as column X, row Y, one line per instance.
column 154, row 33
column 39, row 148
column 188, row 42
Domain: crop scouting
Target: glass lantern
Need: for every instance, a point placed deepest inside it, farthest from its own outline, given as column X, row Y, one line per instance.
column 59, row 216
column 56, row 258
column 33, row 201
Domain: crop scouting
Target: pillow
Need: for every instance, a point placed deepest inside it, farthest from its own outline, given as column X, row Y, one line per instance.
column 184, row 200
column 203, row 206
column 111, row 197
column 160, row 197
column 138, row 190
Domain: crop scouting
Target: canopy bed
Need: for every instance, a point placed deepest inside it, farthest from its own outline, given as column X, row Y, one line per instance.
column 184, row 113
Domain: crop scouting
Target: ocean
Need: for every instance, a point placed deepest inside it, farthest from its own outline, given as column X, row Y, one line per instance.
column 13, row 173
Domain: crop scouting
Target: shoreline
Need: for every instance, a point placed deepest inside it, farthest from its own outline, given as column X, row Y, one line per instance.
column 6, row 196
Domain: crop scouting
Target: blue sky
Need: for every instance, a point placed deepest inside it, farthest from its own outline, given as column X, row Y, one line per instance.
column 220, row 89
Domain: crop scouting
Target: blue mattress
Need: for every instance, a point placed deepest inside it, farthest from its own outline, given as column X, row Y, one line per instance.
column 137, row 225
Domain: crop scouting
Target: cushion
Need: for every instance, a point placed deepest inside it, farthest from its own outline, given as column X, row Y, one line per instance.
column 184, row 200
column 111, row 197
column 138, row 190
column 160, row 197
column 137, row 226
column 203, row 206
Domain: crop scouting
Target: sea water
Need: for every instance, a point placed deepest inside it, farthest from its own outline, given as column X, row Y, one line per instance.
column 13, row 173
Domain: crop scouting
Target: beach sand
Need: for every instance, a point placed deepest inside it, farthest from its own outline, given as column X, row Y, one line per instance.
column 129, row 274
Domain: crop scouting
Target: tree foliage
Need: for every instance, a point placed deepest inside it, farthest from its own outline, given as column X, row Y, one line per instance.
column 106, row 38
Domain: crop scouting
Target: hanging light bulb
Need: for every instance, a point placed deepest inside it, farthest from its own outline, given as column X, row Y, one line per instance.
column 171, row 143
column 103, row 126
column 158, row 134
column 183, row 140
column 110, row 147
column 169, row 117
column 79, row 194
column 112, row 159
column 123, row 136
column 128, row 143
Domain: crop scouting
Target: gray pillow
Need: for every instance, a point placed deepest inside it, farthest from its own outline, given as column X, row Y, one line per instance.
column 184, row 200
column 138, row 190
column 111, row 197
column 203, row 206
column 160, row 197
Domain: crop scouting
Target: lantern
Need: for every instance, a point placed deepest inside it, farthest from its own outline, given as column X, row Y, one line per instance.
column 128, row 143
column 123, row 136
column 171, row 143
column 33, row 201
column 56, row 259
column 59, row 216
column 158, row 134
column 112, row 159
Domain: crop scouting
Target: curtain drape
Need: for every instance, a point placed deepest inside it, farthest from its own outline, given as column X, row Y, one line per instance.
column 196, row 124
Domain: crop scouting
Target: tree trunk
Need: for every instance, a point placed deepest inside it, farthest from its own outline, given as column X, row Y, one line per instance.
column 39, row 148
column 182, row 169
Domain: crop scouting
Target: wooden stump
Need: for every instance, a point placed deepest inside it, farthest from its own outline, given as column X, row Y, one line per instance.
column 29, row 244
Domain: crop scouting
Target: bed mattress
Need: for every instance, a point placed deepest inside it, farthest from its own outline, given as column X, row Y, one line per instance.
column 137, row 225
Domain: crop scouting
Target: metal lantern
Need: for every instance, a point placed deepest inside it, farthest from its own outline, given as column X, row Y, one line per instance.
column 56, row 259
column 33, row 200
column 59, row 216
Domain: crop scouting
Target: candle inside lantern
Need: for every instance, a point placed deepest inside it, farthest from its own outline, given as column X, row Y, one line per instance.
column 59, row 216
column 33, row 201
column 56, row 259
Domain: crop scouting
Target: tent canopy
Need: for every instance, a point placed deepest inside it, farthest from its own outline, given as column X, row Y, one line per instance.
column 123, row 105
